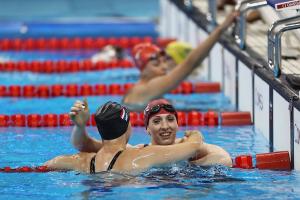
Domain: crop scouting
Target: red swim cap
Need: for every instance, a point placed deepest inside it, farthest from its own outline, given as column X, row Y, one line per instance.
column 156, row 107
column 143, row 52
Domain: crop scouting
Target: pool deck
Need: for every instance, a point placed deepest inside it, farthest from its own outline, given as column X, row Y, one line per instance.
column 256, row 39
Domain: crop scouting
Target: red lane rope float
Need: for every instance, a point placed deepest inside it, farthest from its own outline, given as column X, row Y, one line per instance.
column 65, row 43
column 275, row 160
column 279, row 160
column 191, row 118
column 25, row 169
column 72, row 90
column 63, row 66
column 235, row 118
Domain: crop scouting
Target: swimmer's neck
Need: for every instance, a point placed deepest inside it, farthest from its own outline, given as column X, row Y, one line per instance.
column 119, row 143
column 113, row 147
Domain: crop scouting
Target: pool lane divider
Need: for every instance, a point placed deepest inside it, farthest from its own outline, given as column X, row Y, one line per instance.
column 63, row 66
column 268, row 161
column 191, row 118
column 74, row 90
column 279, row 160
column 76, row 43
column 24, row 169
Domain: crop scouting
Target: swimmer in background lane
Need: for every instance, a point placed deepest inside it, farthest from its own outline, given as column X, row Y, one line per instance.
column 107, row 54
column 156, row 78
column 161, row 124
column 113, row 123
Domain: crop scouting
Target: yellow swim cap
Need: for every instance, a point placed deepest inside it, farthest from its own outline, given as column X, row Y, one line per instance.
column 178, row 50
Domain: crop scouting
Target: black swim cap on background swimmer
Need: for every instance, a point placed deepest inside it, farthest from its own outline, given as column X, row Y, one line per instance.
column 112, row 120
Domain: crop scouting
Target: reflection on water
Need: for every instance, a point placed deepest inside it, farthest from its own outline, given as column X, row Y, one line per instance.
column 27, row 146
column 183, row 176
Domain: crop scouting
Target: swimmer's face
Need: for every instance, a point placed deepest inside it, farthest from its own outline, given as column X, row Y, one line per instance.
column 171, row 63
column 163, row 128
column 158, row 64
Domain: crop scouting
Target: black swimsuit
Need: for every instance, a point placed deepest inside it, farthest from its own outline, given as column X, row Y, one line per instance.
column 111, row 165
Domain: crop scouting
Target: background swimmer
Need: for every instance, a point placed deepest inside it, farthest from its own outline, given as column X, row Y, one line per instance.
column 156, row 78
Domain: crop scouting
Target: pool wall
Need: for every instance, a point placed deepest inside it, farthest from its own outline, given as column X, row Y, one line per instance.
column 245, row 78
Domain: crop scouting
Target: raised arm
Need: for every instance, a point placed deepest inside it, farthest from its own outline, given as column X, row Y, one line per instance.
column 196, row 56
column 156, row 155
column 80, row 139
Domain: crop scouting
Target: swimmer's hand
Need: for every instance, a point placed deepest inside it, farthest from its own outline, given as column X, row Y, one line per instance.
column 229, row 20
column 180, row 140
column 193, row 136
column 80, row 113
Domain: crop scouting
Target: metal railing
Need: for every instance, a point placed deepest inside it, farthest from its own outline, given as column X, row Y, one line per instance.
column 274, row 41
column 212, row 12
column 240, row 26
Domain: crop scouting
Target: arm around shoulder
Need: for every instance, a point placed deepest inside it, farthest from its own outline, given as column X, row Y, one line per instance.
column 156, row 155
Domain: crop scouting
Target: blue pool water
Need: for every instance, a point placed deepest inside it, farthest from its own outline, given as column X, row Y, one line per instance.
column 92, row 77
column 80, row 9
column 47, row 55
column 32, row 147
column 60, row 105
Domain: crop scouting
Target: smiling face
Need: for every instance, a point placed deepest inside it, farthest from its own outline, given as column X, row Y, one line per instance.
column 162, row 128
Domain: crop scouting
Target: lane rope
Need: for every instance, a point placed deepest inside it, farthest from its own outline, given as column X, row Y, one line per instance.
column 74, row 90
column 66, row 43
column 63, row 66
column 191, row 118
column 279, row 160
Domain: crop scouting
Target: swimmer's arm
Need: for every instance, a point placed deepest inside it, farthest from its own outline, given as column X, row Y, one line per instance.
column 196, row 56
column 80, row 114
column 189, row 132
column 139, row 146
column 156, row 155
column 179, row 140
column 60, row 163
column 83, row 142
column 211, row 155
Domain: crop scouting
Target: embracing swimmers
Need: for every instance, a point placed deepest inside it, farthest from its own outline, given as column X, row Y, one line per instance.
column 161, row 124
column 113, row 124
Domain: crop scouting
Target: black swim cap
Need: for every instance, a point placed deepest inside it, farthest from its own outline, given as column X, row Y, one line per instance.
column 112, row 120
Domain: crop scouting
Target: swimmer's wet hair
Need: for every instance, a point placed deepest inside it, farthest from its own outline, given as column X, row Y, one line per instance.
column 112, row 120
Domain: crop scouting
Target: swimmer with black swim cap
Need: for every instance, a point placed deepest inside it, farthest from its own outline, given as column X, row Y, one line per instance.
column 156, row 112
column 115, row 129
column 112, row 120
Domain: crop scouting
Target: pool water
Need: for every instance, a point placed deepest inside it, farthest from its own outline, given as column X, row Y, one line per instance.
column 32, row 147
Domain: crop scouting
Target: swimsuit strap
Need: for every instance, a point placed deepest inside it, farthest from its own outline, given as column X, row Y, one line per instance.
column 111, row 165
column 92, row 165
